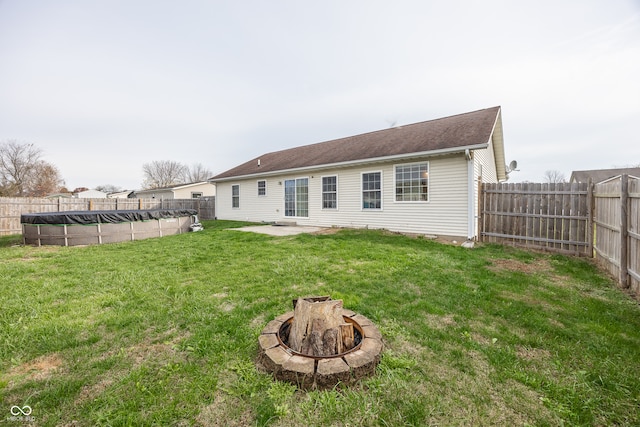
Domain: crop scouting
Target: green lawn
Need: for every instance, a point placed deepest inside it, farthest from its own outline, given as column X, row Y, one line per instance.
column 164, row 332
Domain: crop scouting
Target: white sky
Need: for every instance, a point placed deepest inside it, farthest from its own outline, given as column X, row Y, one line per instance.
column 104, row 86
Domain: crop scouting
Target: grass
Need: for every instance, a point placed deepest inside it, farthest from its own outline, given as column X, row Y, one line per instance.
column 164, row 332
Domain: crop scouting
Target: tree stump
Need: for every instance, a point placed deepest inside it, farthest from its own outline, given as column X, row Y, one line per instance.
column 346, row 337
column 316, row 327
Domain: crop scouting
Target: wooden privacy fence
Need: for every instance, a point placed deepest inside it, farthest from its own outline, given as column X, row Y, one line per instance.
column 12, row 207
column 548, row 216
column 617, row 229
column 600, row 221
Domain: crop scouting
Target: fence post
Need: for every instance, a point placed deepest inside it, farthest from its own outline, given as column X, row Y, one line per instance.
column 590, row 220
column 624, row 231
column 480, row 200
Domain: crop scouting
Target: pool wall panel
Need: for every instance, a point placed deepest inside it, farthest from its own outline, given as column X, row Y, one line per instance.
column 91, row 234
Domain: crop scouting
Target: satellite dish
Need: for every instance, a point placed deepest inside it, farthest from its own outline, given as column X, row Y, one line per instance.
column 513, row 165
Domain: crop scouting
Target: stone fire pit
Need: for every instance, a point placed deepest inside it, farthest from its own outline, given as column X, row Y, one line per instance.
column 293, row 350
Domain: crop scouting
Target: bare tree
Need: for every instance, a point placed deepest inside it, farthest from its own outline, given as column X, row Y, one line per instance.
column 163, row 173
column 23, row 173
column 197, row 173
column 554, row 177
column 17, row 163
column 45, row 180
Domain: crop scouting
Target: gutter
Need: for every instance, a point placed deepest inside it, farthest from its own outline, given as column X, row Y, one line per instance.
column 360, row 162
column 471, row 217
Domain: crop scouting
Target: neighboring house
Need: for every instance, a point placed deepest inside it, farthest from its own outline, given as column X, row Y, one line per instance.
column 193, row 190
column 126, row 194
column 90, row 194
column 599, row 175
column 59, row 196
column 419, row 178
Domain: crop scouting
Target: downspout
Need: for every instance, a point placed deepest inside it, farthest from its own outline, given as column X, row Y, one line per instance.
column 471, row 190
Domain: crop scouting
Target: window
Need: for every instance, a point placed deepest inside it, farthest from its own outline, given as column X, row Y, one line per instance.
column 262, row 188
column 329, row 192
column 235, row 196
column 372, row 190
column 196, row 195
column 412, row 183
column 296, row 197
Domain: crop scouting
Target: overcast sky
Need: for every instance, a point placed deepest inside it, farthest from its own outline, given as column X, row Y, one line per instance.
column 104, row 86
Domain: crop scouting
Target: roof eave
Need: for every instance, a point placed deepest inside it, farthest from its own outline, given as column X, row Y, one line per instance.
column 405, row 156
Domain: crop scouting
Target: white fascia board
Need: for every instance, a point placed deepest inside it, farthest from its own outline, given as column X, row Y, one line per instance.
column 354, row 163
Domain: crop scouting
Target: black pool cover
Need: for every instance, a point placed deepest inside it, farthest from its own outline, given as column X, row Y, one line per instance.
column 103, row 217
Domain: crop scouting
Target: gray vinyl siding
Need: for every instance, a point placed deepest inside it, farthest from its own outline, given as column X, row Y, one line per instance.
column 444, row 214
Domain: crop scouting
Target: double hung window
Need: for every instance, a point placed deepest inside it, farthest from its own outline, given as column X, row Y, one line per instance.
column 262, row 188
column 235, row 196
column 372, row 190
column 329, row 192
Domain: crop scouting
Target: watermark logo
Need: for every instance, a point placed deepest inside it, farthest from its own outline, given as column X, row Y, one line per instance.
column 25, row 410
column 21, row 413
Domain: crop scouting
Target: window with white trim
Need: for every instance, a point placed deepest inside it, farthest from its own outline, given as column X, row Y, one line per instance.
column 262, row 188
column 235, row 196
column 372, row 190
column 412, row 182
column 196, row 195
column 329, row 192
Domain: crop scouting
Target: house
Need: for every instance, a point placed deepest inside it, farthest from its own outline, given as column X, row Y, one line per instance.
column 125, row 194
column 58, row 196
column 418, row 178
column 192, row 190
column 599, row 175
column 90, row 194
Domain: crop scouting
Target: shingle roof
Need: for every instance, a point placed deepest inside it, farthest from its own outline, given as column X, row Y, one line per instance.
column 599, row 175
column 448, row 133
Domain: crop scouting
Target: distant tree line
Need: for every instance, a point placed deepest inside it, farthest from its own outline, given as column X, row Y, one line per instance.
column 167, row 173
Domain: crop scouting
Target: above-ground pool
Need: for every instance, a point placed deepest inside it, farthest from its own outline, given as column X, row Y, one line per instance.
column 96, row 227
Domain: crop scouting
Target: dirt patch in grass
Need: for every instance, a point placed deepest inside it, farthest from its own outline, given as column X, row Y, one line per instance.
column 157, row 348
column 225, row 411
column 220, row 295
column 527, row 299
column 258, row 321
column 328, row 231
column 38, row 369
column 529, row 353
column 435, row 321
column 227, row 307
column 514, row 265
column 92, row 391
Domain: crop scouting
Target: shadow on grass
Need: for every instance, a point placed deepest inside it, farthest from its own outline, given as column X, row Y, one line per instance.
column 10, row 240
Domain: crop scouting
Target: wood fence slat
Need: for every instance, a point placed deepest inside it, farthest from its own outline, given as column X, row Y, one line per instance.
column 574, row 208
column 634, row 235
column 566, row 222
